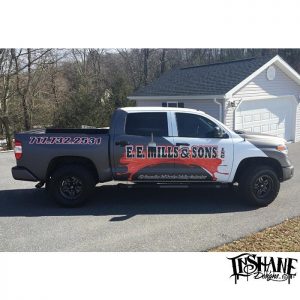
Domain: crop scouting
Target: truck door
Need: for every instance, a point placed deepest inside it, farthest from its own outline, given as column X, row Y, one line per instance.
column 205, row 150
column 143, row 152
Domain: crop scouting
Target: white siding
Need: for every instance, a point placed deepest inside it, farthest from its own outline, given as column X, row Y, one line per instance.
column 261, row 87
column 208, row 106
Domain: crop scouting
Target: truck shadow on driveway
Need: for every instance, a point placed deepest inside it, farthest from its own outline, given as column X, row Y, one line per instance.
column 123, row 203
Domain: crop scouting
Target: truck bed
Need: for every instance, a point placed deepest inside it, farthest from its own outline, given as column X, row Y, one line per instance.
column 40, row 147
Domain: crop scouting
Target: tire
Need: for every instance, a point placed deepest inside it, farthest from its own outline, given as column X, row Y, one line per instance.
column 71, row 185
column 259, row 185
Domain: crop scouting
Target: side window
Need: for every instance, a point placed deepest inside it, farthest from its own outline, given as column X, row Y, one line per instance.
column 194, row 126
column 146, row 124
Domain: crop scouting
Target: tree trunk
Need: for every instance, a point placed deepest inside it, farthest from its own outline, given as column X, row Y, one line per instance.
column 163, row 61
column 7, row 133
column 27, row 121
column 146, row 56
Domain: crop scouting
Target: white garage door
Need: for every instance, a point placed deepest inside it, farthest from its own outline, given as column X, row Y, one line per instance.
column 270, row 116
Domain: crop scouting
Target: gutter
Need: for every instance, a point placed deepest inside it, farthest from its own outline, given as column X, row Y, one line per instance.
column 220, row 109
column 191, row 97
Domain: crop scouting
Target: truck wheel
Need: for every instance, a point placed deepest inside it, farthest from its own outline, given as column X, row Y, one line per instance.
column 71, row 185
column 259, row 185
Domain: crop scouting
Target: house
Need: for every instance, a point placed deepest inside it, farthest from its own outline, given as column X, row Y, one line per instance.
column 256, row 94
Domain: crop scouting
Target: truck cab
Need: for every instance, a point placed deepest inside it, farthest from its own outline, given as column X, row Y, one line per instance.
column 171, row 145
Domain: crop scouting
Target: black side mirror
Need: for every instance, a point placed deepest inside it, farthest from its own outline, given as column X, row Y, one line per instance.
column 218, row 133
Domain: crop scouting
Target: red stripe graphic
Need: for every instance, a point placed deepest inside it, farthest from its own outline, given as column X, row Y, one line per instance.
column 134, row 165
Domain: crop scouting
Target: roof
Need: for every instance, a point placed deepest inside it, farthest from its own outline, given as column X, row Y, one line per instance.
column 212, row 79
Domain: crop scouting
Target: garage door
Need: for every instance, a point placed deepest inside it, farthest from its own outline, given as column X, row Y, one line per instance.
column 270, row 116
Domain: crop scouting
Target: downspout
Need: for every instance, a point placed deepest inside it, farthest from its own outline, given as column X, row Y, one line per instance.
column 220, row 109
column 234, row 111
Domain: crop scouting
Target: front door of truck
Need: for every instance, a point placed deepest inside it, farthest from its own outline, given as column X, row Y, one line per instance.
column 143, row 152
column 205, row 150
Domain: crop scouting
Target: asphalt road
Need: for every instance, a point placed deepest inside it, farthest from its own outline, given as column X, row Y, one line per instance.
column 120, row 219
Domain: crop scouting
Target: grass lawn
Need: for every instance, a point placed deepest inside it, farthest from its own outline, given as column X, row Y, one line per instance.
column 284, row 237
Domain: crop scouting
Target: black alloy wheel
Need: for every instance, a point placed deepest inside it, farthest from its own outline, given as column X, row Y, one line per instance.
column 71, row 185
column 259, row 185
column 262, row 186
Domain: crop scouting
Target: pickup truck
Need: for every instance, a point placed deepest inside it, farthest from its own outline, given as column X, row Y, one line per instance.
column 153, row 145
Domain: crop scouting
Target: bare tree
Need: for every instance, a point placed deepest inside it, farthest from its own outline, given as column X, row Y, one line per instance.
column 130, row 66
column 6, row 91
column 28, row 66
column 146, row 54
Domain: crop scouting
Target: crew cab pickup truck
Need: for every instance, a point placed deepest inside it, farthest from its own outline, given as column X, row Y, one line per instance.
column 153, row 145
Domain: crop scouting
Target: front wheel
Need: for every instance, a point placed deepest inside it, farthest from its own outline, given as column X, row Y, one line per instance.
column 71, row 185
column 259, row 185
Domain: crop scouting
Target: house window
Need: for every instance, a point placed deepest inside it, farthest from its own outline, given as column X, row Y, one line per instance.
column 173, row 104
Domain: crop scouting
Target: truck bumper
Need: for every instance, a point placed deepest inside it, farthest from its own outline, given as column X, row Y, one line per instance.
column 287, row 173
column 21, row 173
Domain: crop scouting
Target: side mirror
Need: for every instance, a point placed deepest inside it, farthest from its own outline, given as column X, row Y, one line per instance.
column 218, row 133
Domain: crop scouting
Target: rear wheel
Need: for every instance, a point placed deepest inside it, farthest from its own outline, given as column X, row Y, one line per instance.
column 71, row 185
column 259, row 185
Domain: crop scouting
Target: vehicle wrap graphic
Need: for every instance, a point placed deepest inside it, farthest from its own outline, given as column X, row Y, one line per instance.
column 138, row 157
column 65, row 140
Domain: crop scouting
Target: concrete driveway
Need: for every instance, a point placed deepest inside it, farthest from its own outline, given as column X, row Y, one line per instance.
column 118, row 219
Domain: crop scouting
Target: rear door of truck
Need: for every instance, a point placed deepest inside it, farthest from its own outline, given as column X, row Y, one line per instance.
column 142, row 149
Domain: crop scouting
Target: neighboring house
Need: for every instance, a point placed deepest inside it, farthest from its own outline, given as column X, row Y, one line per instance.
column 256, row 94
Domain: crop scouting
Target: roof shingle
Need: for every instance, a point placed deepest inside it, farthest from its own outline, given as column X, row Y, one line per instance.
column 212, row 79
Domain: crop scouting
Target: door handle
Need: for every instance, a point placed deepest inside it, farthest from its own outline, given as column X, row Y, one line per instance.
column 182, row 144
column 122, row 143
